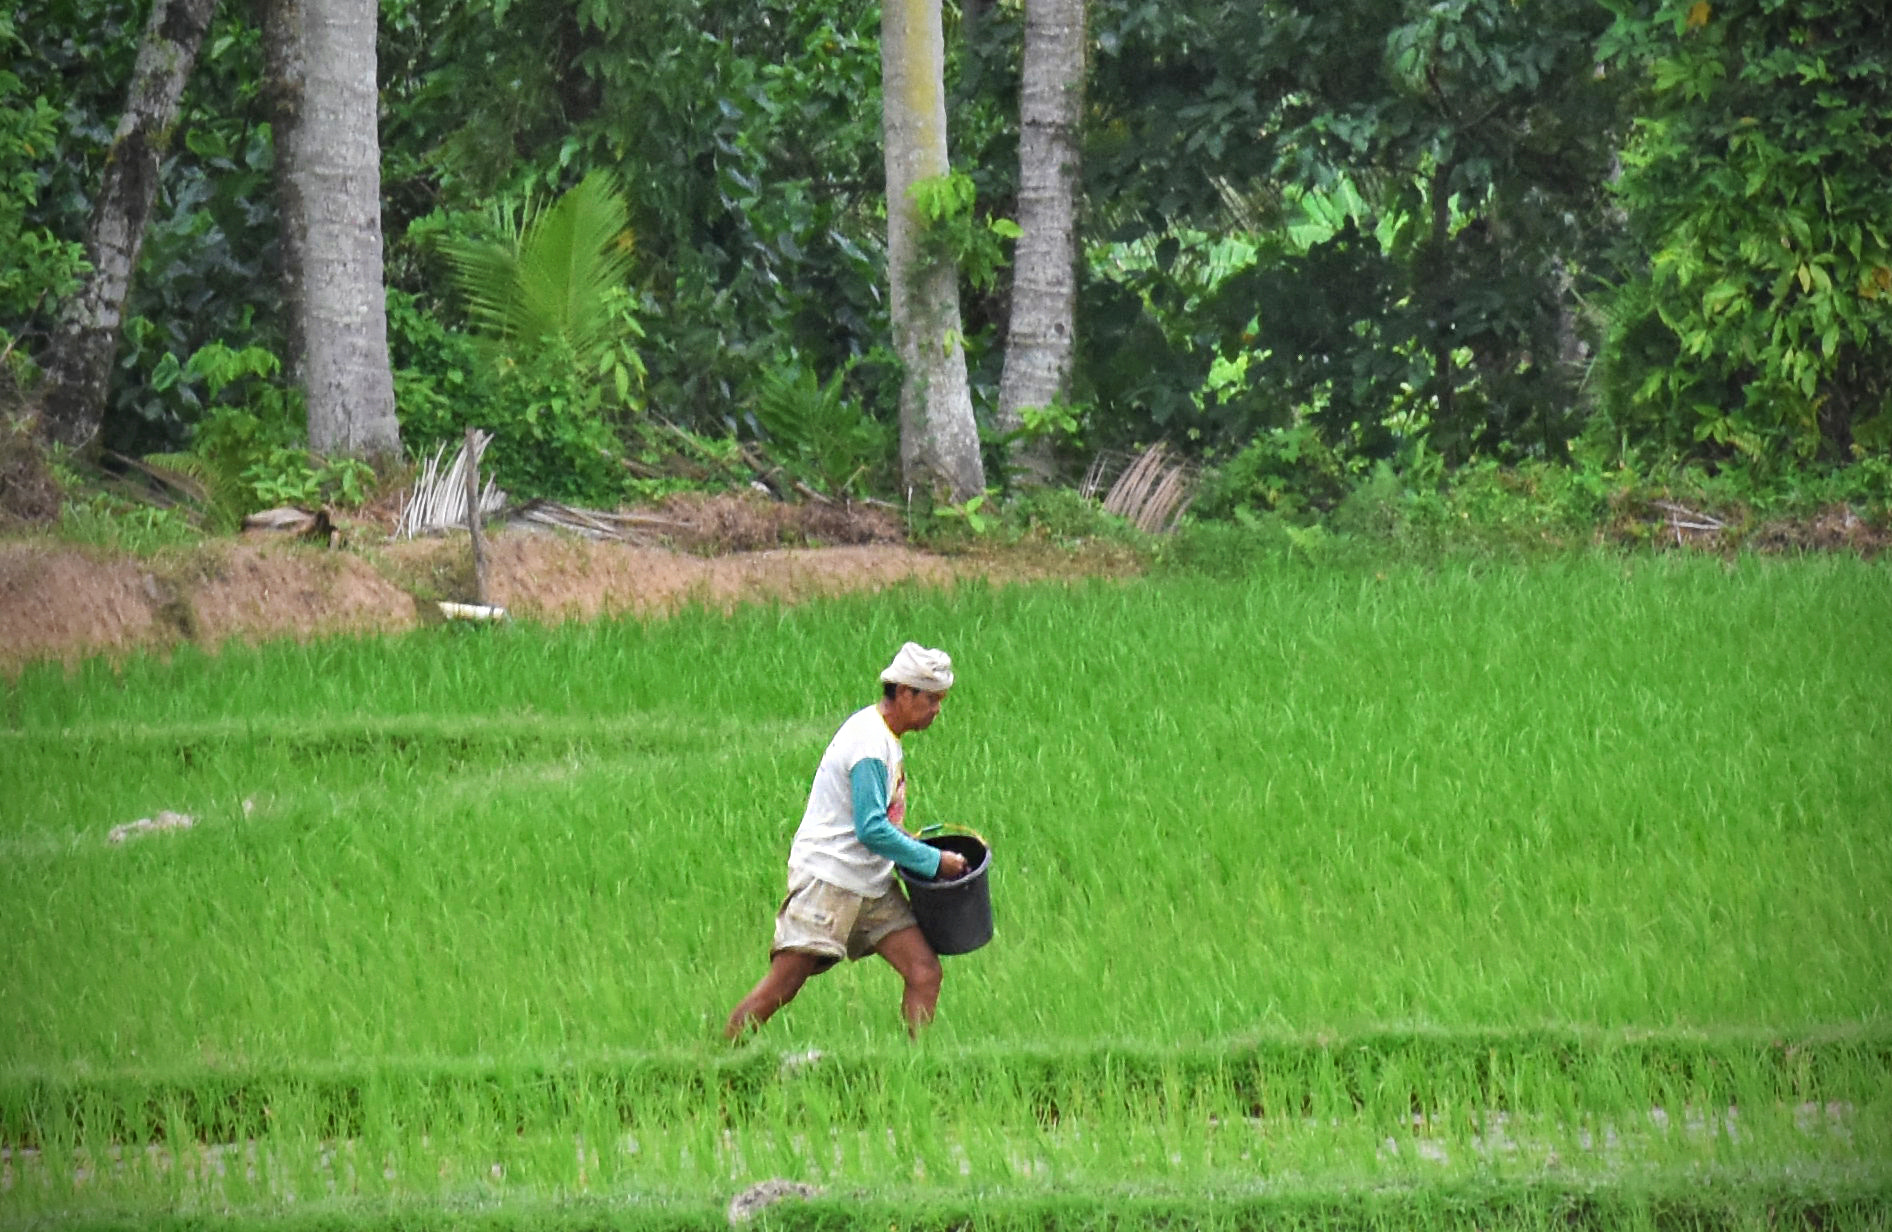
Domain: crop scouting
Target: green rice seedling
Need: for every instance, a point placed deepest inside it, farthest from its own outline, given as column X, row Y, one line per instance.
column 1491, row 866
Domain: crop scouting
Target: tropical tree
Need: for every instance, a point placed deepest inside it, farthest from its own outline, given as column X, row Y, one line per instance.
column 1466, row 142
column 79, row 367
column 328, row 158
column 939, row 439
column 1041, row 337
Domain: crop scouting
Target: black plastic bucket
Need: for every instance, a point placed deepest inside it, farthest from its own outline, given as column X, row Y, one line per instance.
column 955, row 916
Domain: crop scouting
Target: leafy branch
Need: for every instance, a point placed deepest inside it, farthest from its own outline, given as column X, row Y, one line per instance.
column 952, row 229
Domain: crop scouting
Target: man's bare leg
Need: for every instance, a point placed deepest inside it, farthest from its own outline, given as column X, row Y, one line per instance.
column 788, row 971
column 914, row 959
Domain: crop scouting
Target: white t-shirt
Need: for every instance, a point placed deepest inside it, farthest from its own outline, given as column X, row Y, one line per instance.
column 825, row 843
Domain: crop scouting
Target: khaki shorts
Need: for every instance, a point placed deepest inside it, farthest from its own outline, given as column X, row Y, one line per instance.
column 831, row 923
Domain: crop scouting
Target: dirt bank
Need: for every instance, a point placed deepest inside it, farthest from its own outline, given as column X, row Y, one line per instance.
column 65, row 603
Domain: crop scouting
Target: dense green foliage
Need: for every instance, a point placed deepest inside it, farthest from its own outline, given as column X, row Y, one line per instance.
column 1755, row 186
column 207, row 269
column 40, row 267
column 1341, row 234
column 750, row 174
column 1465, row 146
column 544, row 289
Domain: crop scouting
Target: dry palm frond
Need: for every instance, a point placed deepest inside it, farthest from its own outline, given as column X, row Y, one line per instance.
column 1153, row 492
column 1102, row 473
column 438, row 500
column 639, row 528
column 193, row 477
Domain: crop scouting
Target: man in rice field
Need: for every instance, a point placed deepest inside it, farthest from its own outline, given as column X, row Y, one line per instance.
column 843, row 900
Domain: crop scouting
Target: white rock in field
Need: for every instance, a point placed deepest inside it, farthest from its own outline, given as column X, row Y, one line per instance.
column 166, row 820
column 794, row 1062
column 744, row 1206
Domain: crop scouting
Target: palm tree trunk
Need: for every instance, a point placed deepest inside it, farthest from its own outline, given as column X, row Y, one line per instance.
column 1042, row 337
column 939, row 440
column 328, row 174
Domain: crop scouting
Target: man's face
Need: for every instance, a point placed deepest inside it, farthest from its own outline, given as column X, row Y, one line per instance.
column 915, row 709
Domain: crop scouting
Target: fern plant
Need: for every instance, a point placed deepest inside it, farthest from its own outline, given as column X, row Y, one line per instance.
column 816, row 432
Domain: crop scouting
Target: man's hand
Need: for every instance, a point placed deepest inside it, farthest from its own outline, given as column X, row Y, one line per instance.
column 951, row 865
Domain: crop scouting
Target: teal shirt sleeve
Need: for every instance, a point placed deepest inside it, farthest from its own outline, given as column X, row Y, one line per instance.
column 872, row 826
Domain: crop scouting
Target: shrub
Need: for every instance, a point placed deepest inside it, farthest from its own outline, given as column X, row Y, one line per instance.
column 817, row 433
column 1761, row 328
column 1288, row 471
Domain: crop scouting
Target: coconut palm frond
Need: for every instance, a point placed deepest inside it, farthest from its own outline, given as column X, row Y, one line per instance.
column 548, row 275
column 438, row 498
column 1109, row 219
column 486, row 272
column 1251, row 206
column 570, row 255
column 1152, row 492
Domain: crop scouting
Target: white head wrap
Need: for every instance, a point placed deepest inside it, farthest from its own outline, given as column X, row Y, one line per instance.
column 917, row 667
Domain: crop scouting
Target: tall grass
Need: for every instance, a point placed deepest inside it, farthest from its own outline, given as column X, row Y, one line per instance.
column 1592, row 794
column 1591, row 802
column 898, row 1131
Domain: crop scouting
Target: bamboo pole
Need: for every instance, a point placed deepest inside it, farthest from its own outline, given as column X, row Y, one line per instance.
column 473, row 518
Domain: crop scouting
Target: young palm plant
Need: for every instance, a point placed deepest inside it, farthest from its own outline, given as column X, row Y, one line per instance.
column 554, row 273
column 549, row 293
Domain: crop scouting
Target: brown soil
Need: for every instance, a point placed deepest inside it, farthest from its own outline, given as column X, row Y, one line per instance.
column 59, row 602
column 64, row 603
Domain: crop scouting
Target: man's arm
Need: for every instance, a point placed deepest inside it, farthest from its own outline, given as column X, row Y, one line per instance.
column 876, row 831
